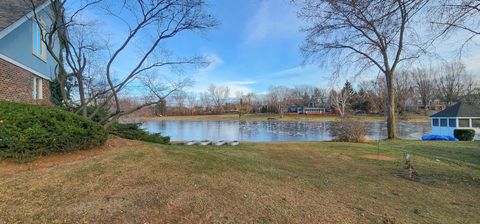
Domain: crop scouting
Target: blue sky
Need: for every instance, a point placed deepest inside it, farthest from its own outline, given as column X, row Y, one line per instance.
column 255, row 46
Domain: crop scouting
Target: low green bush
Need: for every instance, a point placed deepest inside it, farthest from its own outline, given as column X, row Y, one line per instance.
column 27, row 131
column 464, row 134
column 133, row 131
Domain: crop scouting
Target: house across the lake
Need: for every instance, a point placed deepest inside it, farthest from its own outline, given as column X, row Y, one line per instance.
column 305, row 110
column 459, row 116
column 26, row 68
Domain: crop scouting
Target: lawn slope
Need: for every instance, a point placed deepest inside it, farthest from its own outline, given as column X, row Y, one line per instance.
column 134, row 182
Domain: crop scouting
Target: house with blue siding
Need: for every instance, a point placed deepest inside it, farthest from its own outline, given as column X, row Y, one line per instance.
column 458, row 116
column 26, row 67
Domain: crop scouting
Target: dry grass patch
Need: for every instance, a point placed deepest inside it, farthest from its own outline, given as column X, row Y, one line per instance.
column 379, row 157
column 134, row 182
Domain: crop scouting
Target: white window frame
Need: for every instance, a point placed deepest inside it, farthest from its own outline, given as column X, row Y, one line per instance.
column 43, row 54
column 37, row 88
column 465, row 118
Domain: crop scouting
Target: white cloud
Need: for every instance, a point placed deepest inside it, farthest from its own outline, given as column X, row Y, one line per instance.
column 212, row 74
column 203, row 74
column 214, row 61
column 241, row 82
column 300, row 75
column 473, row 64
column 273, row 19
column 237, row 88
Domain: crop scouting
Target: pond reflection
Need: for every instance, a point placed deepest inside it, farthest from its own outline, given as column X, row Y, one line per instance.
column 271, row 131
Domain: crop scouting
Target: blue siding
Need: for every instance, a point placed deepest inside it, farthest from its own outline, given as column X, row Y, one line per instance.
column 18, row 46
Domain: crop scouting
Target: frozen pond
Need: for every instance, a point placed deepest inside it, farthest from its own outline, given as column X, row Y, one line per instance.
column 271, row 131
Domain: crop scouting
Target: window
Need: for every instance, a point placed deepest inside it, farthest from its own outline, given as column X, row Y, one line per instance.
column 452, row 123
column 435, row 122
column 39, row 48
column 476, row 123
column 37, row 92
column 464, row 123
column 443, row 122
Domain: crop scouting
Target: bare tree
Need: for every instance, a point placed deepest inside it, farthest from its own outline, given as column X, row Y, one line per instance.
column 159, row 20
column 403, row 89
column 377, row 90
column 206, row 102
column 341, row 100
column 453, row 82
column 192, row 102
column 369, row 33
column 69, row 43
column 279, row 97
column 320, row 97
column 424, row 81
column 218, row 95
column 474, row 95
column 243, row 105
column 178, row 98
column 450, row 16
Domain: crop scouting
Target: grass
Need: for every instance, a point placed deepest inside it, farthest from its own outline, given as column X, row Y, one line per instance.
column 328, row 182
column 288, row 117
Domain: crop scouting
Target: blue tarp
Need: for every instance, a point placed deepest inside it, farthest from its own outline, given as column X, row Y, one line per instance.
column 438, row 138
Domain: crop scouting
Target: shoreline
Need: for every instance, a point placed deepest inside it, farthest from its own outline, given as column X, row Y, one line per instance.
column 272, row 117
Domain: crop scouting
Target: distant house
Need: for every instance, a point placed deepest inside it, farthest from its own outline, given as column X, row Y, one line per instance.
column 26, row 68
column 459, row 116
column 296, row 109
column 313, row 107
column 414, row 104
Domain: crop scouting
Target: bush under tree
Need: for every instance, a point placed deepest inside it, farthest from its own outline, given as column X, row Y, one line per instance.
column 27, row 131
column 135, row 132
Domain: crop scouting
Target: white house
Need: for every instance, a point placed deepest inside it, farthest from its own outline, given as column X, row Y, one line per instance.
column 459, row 116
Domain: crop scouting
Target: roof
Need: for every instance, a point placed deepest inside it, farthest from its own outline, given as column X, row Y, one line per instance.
column 13, row 10
column 460, row 109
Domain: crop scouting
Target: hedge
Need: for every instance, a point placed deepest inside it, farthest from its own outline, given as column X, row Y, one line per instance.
column 31, row 130
column 464, row 134
column 135, row 132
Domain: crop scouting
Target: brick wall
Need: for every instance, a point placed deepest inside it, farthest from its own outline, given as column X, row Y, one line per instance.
column 16, row 84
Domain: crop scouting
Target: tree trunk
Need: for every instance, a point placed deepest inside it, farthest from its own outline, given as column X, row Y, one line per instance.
column 81, row 92
column 390, row 107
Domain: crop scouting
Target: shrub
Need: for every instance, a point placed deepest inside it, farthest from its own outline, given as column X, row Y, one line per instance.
column 346, row 130
column 133, row 131
column 464, row 134
column 32, row 130
column 101, row 115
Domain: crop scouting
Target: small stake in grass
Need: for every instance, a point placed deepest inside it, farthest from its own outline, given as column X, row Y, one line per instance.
column 408, row 163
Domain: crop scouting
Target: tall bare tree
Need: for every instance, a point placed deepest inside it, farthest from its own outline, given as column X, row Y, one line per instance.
column 450, row 16
column 279, row 97
column 367, row 33
column 192, row 103
column 219, row 96
column 404, row 89
column 320, row 97
column 151, row 22
column 424, row 81
column 341, row 99
column 244, row 103
column 454, row 84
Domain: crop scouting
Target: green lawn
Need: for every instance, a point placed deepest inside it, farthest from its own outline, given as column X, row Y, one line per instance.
column 328, row 182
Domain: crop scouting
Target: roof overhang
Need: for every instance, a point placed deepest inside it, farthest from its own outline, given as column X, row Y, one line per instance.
column 20, row 21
